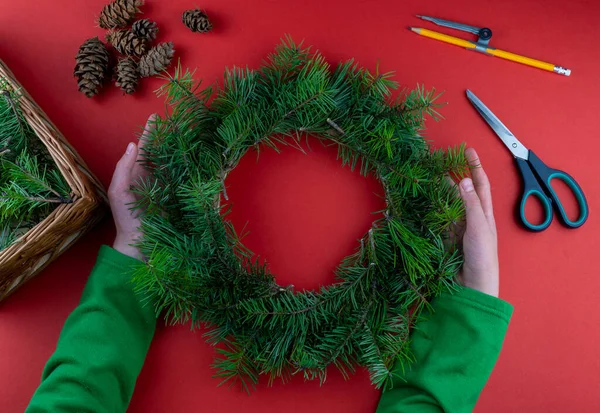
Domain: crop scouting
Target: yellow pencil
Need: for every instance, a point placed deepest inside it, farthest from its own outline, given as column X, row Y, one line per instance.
column 491, row 51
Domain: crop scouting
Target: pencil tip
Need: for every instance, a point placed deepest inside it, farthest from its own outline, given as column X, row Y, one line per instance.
column 419, row 16
column 414, row 29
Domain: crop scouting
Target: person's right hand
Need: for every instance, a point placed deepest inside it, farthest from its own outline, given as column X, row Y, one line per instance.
column 480, row 243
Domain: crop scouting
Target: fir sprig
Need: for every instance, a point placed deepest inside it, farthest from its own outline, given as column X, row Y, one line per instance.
column 197, row 267
column 30, row 184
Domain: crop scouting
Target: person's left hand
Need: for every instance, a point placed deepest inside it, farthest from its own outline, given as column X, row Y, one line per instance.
column 127, row 172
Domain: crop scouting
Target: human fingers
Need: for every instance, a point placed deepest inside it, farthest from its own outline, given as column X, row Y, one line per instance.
column 456, row 229
column 481, row 182
column 148, row 128
column 121, row 180
column 475, row 216
column 138, row 169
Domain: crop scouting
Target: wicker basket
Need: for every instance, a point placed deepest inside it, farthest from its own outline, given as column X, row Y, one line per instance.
column 48, row 239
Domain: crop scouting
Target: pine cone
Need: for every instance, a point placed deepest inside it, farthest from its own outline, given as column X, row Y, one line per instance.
column 157, row 59
column 125, row 42
column 127, row 75
column 145, row 29
column 197, row 21
column 119, row 13
column 91, row 66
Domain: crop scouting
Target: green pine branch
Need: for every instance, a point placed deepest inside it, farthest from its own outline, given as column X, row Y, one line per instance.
column 198, row 268
column 30, row 184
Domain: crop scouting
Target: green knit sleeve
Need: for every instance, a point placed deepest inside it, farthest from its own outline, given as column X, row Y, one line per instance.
column 455, row 347
column 102, row 346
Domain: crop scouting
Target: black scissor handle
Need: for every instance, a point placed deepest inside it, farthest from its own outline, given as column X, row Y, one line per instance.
column 545, row 175
column 531, row 187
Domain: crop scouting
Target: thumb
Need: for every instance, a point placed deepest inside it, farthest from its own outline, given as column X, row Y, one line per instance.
column 121, row 180
column 472, row 202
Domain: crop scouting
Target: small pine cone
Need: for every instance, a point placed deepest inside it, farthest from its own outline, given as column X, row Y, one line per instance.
column 157, row 59
column 125, row 42
column 119, row 13
column 196, row 20
column 145, row 29
column 127, row 75
column 91, row 66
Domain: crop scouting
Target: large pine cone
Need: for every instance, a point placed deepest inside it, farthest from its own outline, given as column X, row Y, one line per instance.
column 145, row 29
column 157, row 59
column 196, row 20
column 119, row 13
column 125, row 42
column 127, row 75
column 91, row 66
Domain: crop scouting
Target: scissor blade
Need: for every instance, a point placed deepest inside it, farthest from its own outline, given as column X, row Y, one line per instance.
column 512, row 143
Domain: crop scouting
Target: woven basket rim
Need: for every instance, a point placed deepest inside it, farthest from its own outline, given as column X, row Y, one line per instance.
column 49, row 238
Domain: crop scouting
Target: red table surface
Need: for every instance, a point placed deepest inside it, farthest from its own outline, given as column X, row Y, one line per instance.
column 306, row 212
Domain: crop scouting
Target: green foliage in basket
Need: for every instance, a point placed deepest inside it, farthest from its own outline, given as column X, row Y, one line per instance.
column 31, row 185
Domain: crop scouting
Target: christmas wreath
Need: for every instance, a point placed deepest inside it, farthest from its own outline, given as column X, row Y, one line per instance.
column 198, row 269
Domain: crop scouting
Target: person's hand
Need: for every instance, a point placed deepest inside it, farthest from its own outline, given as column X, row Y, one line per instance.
column 480, row 243
column 127, row 172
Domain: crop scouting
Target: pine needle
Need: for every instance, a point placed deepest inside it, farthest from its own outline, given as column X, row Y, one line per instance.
column 199, row 269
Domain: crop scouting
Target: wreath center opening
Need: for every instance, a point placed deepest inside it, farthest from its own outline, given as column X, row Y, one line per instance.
column 302, row 213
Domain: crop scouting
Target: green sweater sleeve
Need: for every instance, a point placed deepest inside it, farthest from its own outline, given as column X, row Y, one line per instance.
column 455, row 348
column 102, row 346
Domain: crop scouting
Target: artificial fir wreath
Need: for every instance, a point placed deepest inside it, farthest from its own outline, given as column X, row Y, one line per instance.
column 197, row 268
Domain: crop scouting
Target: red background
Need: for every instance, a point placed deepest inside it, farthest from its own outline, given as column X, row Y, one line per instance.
column 305, row 212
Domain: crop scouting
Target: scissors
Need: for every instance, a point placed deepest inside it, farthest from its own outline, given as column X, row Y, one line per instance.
column 536, row 176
